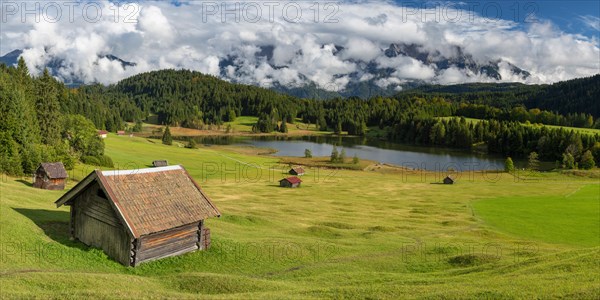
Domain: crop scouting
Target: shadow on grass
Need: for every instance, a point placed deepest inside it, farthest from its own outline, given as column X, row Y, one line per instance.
column 54, row 223
column 25, row 182
column 284, row 188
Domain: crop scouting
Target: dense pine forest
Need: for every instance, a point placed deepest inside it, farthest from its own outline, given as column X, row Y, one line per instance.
column 37, row 124
column 42, row 120
column 568, row 97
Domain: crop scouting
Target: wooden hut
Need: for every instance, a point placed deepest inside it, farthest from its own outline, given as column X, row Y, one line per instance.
column 297, row 171
column 121, row 132
column 141, row 215
column 102, row 134
column 50, row 176
column 160, row 163
column 290, row 182
column 449, row 180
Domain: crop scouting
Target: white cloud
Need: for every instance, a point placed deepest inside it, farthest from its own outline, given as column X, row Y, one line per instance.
column 592, row 22
column 155, row 26
column 361, row 49
column 162, row 35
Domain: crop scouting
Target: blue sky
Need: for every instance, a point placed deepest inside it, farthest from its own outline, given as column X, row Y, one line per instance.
column 576, row 17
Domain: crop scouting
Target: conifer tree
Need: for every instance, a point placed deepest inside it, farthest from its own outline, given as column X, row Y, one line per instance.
column 167, row 139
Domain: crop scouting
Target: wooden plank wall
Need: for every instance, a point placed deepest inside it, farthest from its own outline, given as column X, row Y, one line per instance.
column 167, row 243
column 205, row 238
column 97, row 225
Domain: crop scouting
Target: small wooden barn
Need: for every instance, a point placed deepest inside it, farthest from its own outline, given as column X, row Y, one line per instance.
column 102, row 134
column 160, row 163
column 449, row 180
column 121, row 132
column 141, row 215
column 290, row 182
column 50, row 176
column 297, row 171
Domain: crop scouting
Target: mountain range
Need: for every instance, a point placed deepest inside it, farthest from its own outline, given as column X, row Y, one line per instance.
column 55, row 63
column 364, row 82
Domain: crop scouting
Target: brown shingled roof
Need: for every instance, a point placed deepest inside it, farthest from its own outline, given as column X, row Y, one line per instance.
column 152, row 200
column 292, row 180
column 54, row 170
column 298, row 170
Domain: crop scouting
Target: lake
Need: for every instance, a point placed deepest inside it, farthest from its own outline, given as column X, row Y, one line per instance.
column 415, row 157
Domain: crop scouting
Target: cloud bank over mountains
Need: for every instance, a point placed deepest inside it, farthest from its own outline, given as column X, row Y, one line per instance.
column 292, row 44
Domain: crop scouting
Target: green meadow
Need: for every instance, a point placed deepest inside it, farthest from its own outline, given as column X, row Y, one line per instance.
column 569, row 219
column 377, row 234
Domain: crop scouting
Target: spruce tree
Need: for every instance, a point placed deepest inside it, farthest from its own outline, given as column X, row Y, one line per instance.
column 334, row 155
column 191, row 144
column 47, row 108
column 283, row 127
column 534, row 162
column 307, row 153
column 587, row 160
column 509, row 166
column 568, row 161
column 167, row 139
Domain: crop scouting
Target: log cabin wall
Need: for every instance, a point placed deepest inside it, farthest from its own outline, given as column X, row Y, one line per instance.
column 96, row 224
column 39, row 181
column 167, row 243
column 43, row 182
column 56, row 184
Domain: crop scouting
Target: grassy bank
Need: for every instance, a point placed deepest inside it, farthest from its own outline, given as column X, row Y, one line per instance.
column 381, row 233
column 241, row 126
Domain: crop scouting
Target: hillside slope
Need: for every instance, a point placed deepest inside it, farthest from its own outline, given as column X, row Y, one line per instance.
column 572, row 96
column 380, row 235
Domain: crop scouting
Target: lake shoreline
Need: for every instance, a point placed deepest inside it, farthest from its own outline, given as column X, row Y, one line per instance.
column 409, row 157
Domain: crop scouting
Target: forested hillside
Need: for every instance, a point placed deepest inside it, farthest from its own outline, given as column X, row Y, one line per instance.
column 37, row 124
column 192, row 99
column 41, row 112
column 567, row 97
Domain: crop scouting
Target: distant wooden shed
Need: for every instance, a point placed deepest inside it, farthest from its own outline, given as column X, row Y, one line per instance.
column 449, row 180
column 136, row 216
column 160, row 163
column 297, row 171
column 290, row 182
column 50, row 176
column 121, row 132
column 102, row 134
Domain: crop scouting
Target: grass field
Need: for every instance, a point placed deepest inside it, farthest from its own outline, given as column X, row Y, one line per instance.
column 571, row 219
column 241, row 126
column 344, row 234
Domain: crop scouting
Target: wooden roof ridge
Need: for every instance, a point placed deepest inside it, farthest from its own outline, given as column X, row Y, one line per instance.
column 142, row 171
